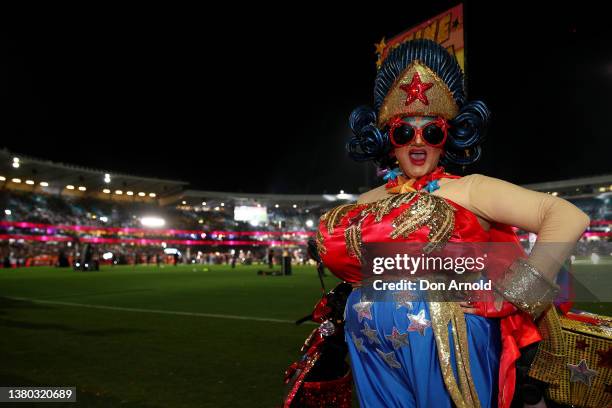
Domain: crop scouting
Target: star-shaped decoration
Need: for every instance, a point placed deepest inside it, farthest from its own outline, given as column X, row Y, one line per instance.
column 418, row 322
column 581, row 372
column 415, row 90
column 581, row 344
column 403, row 299
column 363, row 310
column 380, row 47
column 358, row 343
column 605, row 358
column 371, row 334
column 389, row 359
column 397, row 339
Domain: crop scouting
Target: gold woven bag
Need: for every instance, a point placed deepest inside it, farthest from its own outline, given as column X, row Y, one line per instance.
column 575, row 359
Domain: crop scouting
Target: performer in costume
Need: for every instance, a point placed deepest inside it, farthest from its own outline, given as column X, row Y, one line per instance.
column 432, row 354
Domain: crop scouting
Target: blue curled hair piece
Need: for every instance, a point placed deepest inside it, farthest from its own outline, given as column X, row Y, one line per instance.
column 368, row 142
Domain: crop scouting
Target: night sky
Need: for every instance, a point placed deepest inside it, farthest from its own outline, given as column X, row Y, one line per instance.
column 257, row 99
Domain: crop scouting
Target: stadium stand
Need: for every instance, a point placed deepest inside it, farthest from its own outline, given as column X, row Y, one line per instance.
column 51, row 211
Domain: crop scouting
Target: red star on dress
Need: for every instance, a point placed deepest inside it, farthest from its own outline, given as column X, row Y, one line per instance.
column 416, row 90
column 605, row 358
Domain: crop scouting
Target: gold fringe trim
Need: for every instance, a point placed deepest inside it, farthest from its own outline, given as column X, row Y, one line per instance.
column 442, row 314
column 333, row 217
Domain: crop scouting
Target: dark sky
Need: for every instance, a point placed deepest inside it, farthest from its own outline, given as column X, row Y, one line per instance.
column 257, row 100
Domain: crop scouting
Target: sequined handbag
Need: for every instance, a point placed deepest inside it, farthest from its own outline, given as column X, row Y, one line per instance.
column 575, row 359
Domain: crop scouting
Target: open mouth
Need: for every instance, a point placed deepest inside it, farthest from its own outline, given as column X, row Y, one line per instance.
column 417, row 156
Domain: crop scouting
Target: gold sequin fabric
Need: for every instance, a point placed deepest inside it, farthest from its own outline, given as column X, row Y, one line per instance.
column 443, row 315
column 568, row 342
column 440, row 99
column 422, row 210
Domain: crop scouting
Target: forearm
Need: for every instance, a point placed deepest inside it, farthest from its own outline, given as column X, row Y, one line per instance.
column 558, row 223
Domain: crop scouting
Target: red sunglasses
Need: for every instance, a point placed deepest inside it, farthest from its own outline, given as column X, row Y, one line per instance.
column 403, row 133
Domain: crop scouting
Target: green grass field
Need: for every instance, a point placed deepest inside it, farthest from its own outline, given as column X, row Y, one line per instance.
column 114, row 336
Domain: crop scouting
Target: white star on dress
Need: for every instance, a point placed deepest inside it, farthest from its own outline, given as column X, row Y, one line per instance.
column 397, row 339
column 389, row 358
column 358, row 343
column 418, row 322
column 403, row 299
column 363, row 310
column 371, row 334
column 581, row 372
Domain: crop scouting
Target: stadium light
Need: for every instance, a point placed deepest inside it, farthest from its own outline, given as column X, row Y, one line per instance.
column 309, row 223
column 104, row 219
column 152, row 222
column 183, row 202
column 81, row 188
column 204, row 203
column 15, row 159
column 106, row 191
column 30, row 182
column 130, row 193
column 118, row 192
column 276, row 205
column 141, row 194
column 44, row 184
column 7, row 212
column 70, row 187
column 555, row 193
column 152, row 195
column 201, row 222
column 216, row 208
column 2, row 178
column 107, row 178
column 16, row 164
column 16, row 180
column 294, row 205
column 222, row 204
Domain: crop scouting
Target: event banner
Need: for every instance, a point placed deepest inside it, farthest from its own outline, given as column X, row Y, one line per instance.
column 446, row 28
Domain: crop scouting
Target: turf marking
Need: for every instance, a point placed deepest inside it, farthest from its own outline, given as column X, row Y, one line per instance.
column 156, row 311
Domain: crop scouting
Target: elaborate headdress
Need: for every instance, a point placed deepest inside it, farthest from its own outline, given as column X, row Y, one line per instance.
column 419, row 78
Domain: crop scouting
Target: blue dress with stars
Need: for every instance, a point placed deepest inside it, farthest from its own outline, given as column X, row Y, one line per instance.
column 394, row 358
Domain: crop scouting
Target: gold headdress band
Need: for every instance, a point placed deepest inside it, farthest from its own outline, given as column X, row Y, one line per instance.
column 418, row 91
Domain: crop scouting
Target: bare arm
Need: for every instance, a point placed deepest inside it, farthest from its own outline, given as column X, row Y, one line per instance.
column 558, row 223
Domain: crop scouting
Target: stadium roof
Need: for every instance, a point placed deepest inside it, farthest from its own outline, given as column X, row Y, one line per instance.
column 246, row 198
column 59, row 175
column 580, row 185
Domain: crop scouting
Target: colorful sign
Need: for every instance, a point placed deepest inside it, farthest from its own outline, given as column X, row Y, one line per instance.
column 446, row 28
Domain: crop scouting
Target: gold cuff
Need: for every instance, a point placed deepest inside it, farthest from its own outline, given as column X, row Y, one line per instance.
column 526, row 288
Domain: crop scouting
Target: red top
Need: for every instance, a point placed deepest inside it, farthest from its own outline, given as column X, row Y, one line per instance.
column 348, row 268
column 338, row 254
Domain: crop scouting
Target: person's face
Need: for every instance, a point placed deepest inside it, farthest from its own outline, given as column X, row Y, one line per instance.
column 418, row 158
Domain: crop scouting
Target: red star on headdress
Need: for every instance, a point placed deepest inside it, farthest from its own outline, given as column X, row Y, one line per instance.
column 416, row 90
